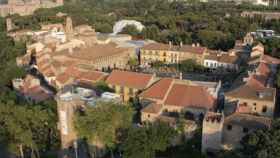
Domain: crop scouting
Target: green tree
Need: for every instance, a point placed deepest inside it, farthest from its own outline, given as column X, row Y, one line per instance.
column 27, row 129
column 104, row 123
column 190, row 66
column 144, row 142
column 131, row 30
column 133, row 63
column 103, row 87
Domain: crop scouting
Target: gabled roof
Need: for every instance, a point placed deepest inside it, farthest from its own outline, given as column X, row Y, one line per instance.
column 152, row 108
column 158, row 90
column 190, row 96
column 248, row 91
column 263, row 69
column 129, row 79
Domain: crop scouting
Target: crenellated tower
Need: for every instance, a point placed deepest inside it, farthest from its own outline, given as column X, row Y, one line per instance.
column 212, row 130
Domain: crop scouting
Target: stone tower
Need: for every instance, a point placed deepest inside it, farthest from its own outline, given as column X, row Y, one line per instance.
column 9, row 24
column 69, row 27
column 212, row 130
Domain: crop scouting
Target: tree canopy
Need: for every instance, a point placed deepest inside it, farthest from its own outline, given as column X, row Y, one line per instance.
column 145, row 141
column 104, row 122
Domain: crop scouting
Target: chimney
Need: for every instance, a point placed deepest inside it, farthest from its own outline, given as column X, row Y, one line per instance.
column 197, row 44
column 181, row 76
column 193, row 45
column 181, row 44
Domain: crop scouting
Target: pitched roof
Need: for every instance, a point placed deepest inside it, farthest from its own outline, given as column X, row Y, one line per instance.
column 222, row 57
column 129, row 79
column 184, row 48
column 158, row 90
column 190, row 96
column 248, row 91
column 93, row 52
column 152, row 108
column 92, row 76
column 270, row 60
column 263, row 69
column 248, row 121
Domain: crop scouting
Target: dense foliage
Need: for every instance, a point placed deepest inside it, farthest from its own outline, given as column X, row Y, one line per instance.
column 144, row 142
column 25, row 128
column 103, row 123
column 215, row 25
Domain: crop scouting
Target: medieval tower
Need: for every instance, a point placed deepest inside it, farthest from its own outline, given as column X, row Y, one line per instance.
column 212, row 130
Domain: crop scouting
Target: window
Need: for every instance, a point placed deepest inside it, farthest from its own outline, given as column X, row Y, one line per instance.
column 148, row 115
column 245, row 130
column 164, row 54
column 264, row 109
column 255, row 104
column 206, row 63
column 229, row 127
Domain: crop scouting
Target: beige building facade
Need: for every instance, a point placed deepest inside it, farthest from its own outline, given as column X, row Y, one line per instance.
column 170, row 54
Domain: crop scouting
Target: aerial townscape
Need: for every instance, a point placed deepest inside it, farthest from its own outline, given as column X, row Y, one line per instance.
column 139, row 79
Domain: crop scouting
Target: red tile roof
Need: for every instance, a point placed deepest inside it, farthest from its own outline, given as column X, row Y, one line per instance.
column 129, row 79
column 152, row 108
column 257, row 81
column 270, row 60
column 92, row 76
column 184, row 48
column 190, row 96
column 263, row 69
column 158, row 90
column 63, row 78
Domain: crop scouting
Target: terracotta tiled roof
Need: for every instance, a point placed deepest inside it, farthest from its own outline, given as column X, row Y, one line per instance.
column 152, row 108
column 222, row 57
column 263, row 69
column 247, row 91
column 257, row 81
column 129, row 79
column 184, row 48
column 158, row 90
column 270, row 60
column 93, row 53
column 92, row 76
column 190, row 96
column 248, row 121
column 63, row 78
